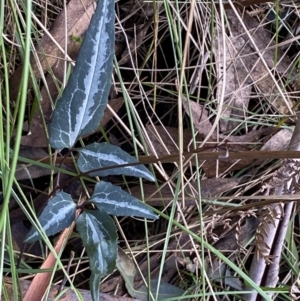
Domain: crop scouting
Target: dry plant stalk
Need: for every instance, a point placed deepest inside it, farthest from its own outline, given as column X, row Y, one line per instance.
column 268, row 250
column 41, row 281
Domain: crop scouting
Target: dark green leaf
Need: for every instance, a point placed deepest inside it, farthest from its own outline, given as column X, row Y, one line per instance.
column 101, row 155
column 95, row 279
column 166, row 290
column 85, row 97
column 115, row 201
column 127, row 269
column 99, row 236
column 58, row 214
column 95, row 227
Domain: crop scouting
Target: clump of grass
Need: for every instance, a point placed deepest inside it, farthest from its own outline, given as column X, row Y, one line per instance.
column 164, row 51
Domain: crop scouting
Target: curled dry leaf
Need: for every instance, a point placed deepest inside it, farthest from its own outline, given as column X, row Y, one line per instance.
column 279, row 141
column 203, row 125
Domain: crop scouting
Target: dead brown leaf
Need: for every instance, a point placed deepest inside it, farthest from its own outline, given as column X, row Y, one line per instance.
column 279, row 141
column 209, row 188
column 262, row 40
column 244, row 69
column 164, row 139
column 31, row 171
column 211, row 169
column 200, row 117
column 203, row 125
column 260, row 74
column 244, row 3
column 54, row 290
column 78, row 15
column 115, row 104
column 238, row 82
column 51, row 57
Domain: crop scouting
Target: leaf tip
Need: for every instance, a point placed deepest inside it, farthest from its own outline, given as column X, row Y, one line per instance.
column 151, row 177
column 31, row 236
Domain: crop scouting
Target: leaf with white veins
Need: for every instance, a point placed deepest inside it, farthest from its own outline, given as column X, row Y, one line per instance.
column 99, row 236
column 115, row 201
column 58, row 214
column 95, row 279
column 85, row 97
column 101, row 155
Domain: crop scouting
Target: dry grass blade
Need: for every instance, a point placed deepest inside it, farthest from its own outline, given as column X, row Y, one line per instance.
column 215, row 141
column 283, row 182
column 68, row 295
column 51, row 47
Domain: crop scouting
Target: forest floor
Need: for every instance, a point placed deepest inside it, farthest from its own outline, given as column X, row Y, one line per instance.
column 206, row 94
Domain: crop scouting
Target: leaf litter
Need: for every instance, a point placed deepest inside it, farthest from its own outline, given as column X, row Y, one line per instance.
column 247, row 77
column 245, row 70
